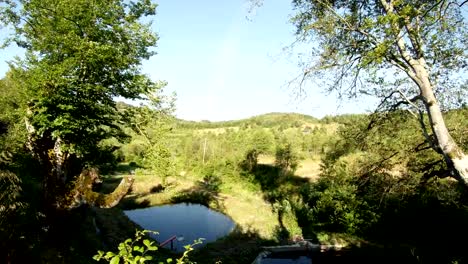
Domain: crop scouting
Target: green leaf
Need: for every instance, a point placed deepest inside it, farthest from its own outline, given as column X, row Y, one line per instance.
column 97, row 257
column 152, row 248
column 115, row 260
column 138, row 249
column 147, row 243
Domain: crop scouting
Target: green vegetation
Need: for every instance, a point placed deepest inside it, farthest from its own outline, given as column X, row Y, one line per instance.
column 377, row 187
column 364, row 182
column 132, row 252
column 386, row 185
column 408, row 54
column 65, row 95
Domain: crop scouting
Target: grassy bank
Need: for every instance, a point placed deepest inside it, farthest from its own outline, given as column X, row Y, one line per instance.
column 259, row 221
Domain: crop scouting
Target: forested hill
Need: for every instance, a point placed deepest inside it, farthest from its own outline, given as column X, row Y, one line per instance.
column 268, row 120
column 265, row 120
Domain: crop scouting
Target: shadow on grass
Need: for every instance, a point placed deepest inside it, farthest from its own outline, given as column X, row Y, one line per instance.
column 126, row 168
column 204, row 192
column 279, row 186
column 130, row 203
column 271, row 179
column 240, row 246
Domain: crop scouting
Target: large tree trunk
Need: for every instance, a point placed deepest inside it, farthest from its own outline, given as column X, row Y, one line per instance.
column 454, row 156
column 82, row 192
column 62, row 187
column 417, row 70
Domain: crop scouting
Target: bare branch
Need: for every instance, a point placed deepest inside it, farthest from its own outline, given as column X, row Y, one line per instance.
column 420, row 118
column 421, row 147
column 82, row 192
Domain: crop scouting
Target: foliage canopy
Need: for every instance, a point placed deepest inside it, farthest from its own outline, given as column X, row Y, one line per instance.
column 80, row 55
column 410, row 54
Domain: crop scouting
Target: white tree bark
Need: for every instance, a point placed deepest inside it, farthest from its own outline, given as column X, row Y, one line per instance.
column 454, row 156
column 417, row 69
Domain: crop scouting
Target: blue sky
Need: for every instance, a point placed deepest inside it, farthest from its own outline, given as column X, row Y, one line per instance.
column 224, row 66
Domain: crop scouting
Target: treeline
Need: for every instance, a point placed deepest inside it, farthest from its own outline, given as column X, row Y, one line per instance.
column 269, row 120
column 382, row 182
column 196, row 143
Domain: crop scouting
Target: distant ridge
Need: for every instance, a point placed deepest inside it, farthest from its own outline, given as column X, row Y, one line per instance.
column 264, row 120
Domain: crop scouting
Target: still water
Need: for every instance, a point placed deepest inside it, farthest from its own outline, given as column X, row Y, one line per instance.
column 287, row 258
column 186, row 221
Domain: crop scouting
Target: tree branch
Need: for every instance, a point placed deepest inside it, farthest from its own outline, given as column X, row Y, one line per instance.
column 82, row 192
column 389, row 9
column 420, row 118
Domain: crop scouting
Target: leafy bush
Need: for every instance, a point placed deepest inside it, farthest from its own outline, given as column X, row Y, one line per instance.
column 286, row 158
column 250, row 161
column 137, row 250
column 336, row 205
column 212, row 183
column 10, row 208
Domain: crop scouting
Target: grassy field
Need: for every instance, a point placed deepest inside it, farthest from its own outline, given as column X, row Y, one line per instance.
column 257, row 221
column 216, row 131
column 260, row 219
column 238, row 200
column 308, row 168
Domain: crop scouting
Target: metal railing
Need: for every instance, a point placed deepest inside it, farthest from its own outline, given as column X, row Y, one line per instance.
column 171, row 240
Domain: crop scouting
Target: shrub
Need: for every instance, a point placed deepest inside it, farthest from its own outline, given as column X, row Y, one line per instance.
column 286, row 158
column 137, row 250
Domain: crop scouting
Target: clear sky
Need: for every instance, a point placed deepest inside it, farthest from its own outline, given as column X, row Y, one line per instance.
column 225, row 66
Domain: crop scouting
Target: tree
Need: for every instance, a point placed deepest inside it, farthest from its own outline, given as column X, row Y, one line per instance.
column 154, row 122
column 80, row 55
column 286, row 158
column 12, row 133
column 262, row 140
column 410, row 54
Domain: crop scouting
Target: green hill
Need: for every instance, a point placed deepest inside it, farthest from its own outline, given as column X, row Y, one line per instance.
column 268, row 120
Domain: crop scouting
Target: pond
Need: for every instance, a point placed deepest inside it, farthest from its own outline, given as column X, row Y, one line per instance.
column 186, row 221
column 287, row 258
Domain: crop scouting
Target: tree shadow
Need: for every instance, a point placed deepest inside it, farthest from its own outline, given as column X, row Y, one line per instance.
column 271, row 178
column 126, row 168
column 133, row 202
column 242, row 245
column 278, row 185
column 205, row 192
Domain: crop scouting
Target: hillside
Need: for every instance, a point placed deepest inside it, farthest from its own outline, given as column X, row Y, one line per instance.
column 268, row 120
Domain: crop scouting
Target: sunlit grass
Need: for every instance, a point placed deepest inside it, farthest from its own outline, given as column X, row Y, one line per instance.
column 250, row 211
column 238, row 196
column 308, row 168
column 239, row 199
column 266, row 159
column 217, row 131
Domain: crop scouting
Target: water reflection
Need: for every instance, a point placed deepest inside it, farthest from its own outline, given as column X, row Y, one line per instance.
column 186, row 221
